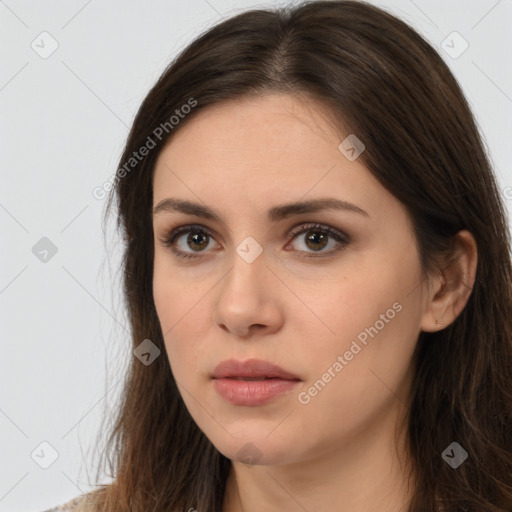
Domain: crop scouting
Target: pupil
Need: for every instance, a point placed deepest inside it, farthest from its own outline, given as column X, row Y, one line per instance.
column 315, row 239
column 195, row 239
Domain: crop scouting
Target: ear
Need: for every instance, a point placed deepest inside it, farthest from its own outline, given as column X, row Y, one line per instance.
column 451, row 290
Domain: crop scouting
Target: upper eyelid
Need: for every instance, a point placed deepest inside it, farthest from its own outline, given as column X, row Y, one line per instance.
column 297, row 229
column 301, row 227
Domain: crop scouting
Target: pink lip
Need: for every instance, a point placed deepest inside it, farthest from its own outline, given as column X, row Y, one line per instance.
column 251, row 393
column 251, row 368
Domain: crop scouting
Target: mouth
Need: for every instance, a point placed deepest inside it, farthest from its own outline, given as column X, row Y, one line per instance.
column 252, row 382
column 253, row 391
column 255, row 378
column 251, row 369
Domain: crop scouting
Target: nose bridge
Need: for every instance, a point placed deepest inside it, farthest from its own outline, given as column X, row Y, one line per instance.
column 248, row 266
column 244, row 294
column 249, row 250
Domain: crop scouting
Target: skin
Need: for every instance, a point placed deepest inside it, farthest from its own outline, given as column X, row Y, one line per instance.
column 344, row 449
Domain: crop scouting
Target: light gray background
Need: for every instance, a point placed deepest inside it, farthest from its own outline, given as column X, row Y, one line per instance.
column 64, row 120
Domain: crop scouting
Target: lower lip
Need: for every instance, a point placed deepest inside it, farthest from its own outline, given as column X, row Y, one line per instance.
column 252, row 392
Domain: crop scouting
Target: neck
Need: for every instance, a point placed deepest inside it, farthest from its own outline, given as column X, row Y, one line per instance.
column 368, row 474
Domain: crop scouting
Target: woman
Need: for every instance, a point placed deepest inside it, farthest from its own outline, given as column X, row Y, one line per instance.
column 318, row 278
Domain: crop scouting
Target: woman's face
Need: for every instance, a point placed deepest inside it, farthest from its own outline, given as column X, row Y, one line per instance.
column 340, row 314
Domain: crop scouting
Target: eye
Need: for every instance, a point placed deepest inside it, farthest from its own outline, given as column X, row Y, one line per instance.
column 317, row 238
column 199, row 237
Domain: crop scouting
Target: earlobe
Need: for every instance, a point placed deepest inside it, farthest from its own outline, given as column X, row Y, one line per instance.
column 450, row 291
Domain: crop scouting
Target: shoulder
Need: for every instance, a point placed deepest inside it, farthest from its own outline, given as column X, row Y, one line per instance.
column 73, row 505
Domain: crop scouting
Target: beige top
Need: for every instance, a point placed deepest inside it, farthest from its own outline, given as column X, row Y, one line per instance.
column 69, row 506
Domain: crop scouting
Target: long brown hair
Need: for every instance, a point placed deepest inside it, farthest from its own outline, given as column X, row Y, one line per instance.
column 391, row 88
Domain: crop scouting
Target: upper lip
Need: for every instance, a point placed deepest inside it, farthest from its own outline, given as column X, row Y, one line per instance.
column 250, row 368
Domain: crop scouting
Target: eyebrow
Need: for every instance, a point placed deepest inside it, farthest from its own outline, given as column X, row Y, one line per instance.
column 274, row 214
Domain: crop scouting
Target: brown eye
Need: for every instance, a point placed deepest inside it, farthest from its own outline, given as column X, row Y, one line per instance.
column 197, row 241
column 316, row 240
column 318, row 237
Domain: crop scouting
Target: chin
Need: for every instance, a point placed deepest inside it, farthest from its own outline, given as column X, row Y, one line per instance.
column 257, row 448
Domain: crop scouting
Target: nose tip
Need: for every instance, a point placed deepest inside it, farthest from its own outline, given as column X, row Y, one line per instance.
column 246, row 303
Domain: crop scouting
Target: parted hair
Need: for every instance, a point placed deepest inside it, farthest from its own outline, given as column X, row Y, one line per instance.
column 388, row 85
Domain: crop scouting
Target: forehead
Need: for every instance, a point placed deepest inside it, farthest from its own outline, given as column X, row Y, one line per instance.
column 260, row 152
column 265, row 136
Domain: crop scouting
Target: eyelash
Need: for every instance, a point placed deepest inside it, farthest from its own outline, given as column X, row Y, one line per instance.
column 342, row 239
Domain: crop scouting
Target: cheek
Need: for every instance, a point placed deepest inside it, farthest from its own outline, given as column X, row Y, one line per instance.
column 354, row 303
column 170, row 307
column 165, row 298
column 370, row 319
column 174, row 294
column 351, row 382
column 182, row 316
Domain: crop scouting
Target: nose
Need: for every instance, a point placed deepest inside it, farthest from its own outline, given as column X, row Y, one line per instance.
column 248, row 299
